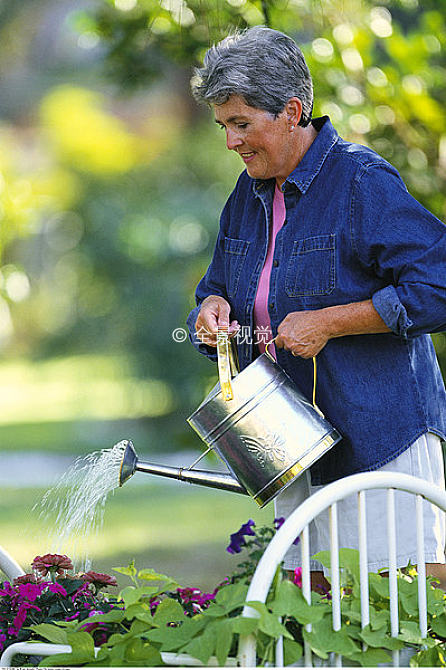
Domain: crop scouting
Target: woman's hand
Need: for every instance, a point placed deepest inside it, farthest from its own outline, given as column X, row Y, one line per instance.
column 214, row 314
column 306, row 333
column 303, row 334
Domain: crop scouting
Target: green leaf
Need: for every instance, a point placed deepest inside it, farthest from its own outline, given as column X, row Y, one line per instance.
column 292, row 651
column 149, row 575
column 139, row 611
column 224, row 641
column 131, row 594
column 269, row 623
column 410, row 632
column 348, row 559
column 380, row 638
column 244, row 625
column 129, row 571
column 290, row 601
column 51, row 632
column 114, row 616
column 81, row 643
column 57, row 660
column 169, row 610
column 203, row 646
column 438, row 625
column 82, row 646
column 137, row 627
column 232, row 596
column 323, row 638
column 429, row 658
column 378, row 586
column 173, row 638
column 139, row 653
column 371, row 657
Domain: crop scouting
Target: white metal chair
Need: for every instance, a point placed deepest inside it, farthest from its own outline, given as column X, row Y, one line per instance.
column 9, row 566
column 297, row 524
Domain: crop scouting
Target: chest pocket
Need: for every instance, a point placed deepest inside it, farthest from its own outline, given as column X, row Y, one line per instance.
column 311, row 268
column 235, row 254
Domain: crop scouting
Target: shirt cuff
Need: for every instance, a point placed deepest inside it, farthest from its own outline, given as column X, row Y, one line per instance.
column 391, row 310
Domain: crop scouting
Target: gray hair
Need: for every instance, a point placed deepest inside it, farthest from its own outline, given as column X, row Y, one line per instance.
column 264, row 66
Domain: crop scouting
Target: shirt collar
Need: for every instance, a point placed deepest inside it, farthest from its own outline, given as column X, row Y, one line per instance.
column 311, row 164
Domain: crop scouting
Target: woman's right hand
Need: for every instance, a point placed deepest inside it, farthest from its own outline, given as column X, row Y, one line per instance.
column 214, row 314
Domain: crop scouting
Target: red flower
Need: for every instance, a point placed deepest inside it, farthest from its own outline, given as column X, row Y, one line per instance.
column 29, row 578
column 53, row 563
column 99, row 579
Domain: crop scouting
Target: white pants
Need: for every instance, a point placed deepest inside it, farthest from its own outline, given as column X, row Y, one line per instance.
column 422, row 459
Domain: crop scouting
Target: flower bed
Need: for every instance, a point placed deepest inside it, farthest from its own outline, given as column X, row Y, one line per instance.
column 154, row 614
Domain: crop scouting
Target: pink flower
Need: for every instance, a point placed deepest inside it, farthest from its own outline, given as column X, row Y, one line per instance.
column 21, row 615
column 30, row 592
column 57, row 588
column 54, row 563
column 7, row 590
column 297, row 579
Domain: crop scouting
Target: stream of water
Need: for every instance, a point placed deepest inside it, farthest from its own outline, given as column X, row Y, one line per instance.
column 73, row 509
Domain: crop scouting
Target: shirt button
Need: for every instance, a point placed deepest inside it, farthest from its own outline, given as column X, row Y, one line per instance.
column 275, row 263
column 271, row 305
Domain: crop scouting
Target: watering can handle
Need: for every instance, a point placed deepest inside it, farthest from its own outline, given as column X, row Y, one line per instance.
column 227, row 363
column 268, row 353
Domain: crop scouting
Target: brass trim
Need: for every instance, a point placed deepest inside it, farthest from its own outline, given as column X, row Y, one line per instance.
column 272, row 489
column 278, row 483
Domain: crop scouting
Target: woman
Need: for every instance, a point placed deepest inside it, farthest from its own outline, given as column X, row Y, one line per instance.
column 322, row 247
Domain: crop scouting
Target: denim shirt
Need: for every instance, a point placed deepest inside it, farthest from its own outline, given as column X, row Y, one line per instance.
column 352, row 232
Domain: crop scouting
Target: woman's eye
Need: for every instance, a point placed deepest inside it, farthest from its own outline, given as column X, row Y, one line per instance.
column 242, row 125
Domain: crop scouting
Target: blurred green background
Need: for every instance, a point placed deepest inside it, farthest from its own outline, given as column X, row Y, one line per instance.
column 111, row 184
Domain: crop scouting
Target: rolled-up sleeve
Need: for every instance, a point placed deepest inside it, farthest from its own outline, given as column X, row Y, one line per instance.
column 404, row 245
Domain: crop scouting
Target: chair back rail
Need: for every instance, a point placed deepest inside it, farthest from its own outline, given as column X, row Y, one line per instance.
column 297, row 524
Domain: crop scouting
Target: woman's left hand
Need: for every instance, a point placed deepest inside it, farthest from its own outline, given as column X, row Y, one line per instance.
column 303, row 334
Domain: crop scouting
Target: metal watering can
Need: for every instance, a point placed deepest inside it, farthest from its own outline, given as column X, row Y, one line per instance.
column 260, row 425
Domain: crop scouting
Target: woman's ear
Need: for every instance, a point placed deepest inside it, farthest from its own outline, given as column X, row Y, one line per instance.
column 293, row 109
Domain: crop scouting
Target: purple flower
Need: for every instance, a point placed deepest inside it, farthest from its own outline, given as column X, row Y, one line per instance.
column 2, row 639
column 297, row 579
column 30, row 591
column 21, row 615
column 7, row 590
column 238, row 538
column 191, row 595
column 57, row 588
column 153, row 602
column 279, row 522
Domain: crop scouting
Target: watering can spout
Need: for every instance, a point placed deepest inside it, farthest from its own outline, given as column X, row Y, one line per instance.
column 131, row 464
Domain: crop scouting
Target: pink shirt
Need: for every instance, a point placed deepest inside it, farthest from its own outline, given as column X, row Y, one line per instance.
column 262, row 323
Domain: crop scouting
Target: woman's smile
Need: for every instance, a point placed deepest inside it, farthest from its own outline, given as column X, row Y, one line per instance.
column 260, row 139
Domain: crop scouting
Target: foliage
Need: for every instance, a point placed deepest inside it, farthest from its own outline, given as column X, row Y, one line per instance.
column 154, row 615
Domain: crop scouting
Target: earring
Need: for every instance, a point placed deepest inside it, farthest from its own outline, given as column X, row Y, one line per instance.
column 291, row 129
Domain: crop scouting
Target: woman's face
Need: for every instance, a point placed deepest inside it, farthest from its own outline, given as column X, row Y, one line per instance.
column 262, row 141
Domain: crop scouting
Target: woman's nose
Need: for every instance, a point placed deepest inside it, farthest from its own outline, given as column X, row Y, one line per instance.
column 232, row 139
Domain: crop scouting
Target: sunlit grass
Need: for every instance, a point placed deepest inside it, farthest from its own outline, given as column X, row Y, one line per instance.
column 78, row 387
column 176, row 528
